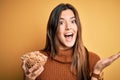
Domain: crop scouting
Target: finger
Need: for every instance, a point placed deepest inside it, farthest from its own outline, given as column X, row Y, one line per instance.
column 39, row 70
column 34, row 68
column 31, row 76
column 23, row 65
column 114, row 57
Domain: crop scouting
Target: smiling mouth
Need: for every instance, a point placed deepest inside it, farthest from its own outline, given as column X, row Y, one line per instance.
column 68, row 35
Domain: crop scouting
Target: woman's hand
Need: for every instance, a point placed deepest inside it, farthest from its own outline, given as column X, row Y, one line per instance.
column 33, row 72
column 103, row 63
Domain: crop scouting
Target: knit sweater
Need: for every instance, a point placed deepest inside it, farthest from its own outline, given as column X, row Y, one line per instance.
column 59, row 67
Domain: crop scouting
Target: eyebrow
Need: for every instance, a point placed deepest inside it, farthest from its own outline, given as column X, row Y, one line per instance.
column 70, row 18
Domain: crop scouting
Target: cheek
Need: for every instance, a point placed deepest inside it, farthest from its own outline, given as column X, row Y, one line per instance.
column 60, row 31
column 76, row 29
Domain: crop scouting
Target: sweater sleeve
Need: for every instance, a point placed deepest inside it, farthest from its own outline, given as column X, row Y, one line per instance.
column 93, row 59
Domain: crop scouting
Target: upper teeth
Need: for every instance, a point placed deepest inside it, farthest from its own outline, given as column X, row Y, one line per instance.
column 68, row 34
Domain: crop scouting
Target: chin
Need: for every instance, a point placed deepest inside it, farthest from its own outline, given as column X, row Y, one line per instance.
column 69, row 45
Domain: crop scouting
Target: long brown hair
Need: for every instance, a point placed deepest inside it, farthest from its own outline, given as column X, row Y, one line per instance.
column 80, row 54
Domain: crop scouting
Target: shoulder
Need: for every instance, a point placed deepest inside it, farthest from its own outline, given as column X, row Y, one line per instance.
column 93, row 59
column 93, row 56
column 43, row 52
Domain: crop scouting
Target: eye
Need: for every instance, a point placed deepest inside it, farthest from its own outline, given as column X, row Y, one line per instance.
column 61, row 22
column 73, row 21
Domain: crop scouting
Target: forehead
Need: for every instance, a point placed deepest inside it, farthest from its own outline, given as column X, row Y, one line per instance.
column 67, row 13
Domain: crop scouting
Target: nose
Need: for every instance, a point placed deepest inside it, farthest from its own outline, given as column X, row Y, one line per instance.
column 68, row 26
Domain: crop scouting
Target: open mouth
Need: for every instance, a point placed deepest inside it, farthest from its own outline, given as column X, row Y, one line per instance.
column 68, row 36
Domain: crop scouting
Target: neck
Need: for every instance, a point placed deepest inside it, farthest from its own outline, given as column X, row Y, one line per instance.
column 64, row 55
column 65, row 52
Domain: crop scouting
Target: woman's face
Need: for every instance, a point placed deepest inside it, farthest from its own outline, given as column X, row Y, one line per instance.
column 67, row 30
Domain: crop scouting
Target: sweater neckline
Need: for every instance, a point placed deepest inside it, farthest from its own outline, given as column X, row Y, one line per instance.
column 64, row 56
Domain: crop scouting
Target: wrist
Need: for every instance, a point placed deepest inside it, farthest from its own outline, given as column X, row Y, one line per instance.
column 97, row 71
column 27, row 78
column 98, row 75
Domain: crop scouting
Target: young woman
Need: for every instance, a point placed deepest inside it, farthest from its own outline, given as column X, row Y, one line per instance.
column 68, row 58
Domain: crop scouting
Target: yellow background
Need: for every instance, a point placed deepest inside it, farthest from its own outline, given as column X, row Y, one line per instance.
column 23, row 29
